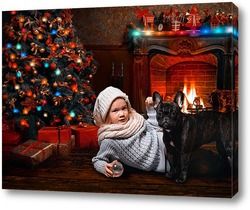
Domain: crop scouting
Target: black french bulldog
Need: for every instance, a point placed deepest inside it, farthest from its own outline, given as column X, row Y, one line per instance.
column 184, row 133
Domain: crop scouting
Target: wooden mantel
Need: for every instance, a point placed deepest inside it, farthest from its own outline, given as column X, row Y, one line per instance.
column 183, row 43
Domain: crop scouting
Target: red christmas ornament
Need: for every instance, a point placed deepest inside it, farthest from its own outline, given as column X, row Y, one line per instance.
column 29, row 93
column 86, row 100
column 47, row 15
column 72, row 45
column 14, row 65
column 53, row 48
column 11, row 34
column 68, row 117
column 27, row 68
column 53, row 66
column 92, row 99
column 64, row 111
column 5, row 96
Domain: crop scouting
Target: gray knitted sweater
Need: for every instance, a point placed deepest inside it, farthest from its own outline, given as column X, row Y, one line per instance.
column 144, row 151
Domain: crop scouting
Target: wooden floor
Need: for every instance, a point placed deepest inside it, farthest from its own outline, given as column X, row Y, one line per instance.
column 76, row 173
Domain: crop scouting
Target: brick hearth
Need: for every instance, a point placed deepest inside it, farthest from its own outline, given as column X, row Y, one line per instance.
column 169, row 74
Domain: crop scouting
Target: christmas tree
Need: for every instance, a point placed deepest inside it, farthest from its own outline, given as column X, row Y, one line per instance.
column 46, row 72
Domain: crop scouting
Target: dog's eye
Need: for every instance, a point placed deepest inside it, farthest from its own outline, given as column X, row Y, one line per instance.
column 159, row 114
column 173, row 114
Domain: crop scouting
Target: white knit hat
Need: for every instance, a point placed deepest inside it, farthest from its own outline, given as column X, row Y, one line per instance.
column 104, row 101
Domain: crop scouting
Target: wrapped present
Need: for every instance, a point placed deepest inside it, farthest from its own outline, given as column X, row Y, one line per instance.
column 11, row 138
column 31, row 152
column 9, row 134
column 86, row 136
column 54, row 134
column 64, row 149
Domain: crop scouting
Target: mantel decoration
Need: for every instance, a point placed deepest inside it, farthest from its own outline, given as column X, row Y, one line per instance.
column 189, row 21
column 185, row 143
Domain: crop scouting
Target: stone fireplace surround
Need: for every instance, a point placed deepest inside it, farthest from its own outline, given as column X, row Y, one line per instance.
column 213, row 57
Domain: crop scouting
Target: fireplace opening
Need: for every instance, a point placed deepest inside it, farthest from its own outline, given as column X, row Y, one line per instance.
column 195, row 75
column 204, row 65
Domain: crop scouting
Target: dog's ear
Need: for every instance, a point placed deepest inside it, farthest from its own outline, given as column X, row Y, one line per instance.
column 179, row 98
column 156, row 99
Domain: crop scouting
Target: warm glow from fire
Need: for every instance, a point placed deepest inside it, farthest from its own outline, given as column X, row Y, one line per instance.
column 190, row 97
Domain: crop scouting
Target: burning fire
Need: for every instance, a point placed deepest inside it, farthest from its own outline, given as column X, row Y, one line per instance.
column 191, row 100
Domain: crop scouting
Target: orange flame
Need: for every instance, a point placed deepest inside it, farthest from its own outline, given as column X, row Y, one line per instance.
column 190, row 97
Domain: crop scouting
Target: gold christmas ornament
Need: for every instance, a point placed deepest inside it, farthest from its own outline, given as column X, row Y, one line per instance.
column 65, row 32
column 12, row 56
column 35, row 72
column 32, row 64
column 42, row 50
column 21, row 19
column 55, row 84
column 44, row 19
column 17, row 86
column 69, row 76
column 44, row 81
column 39, row 36
column 35, row 32
column 26, row 110
column 58, row 19
column 79, row 60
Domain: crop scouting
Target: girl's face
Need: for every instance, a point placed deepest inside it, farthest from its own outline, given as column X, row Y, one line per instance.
column 118, row 113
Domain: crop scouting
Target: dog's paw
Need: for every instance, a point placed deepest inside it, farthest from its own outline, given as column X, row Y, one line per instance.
column 169, row 175
column 181, row 180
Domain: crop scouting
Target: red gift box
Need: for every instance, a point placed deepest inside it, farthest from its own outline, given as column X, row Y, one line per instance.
column 54, row 134
column 31, row 152
column 86, row 136
column 9, row 135
column 11, row 138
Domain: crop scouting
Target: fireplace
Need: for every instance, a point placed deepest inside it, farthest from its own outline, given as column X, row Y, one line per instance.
column 197, row 65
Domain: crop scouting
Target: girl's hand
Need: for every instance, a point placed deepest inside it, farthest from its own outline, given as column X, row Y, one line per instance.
column 108, row 167
column 149, row 102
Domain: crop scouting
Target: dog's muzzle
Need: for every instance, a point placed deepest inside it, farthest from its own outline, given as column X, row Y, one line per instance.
column 166, row 126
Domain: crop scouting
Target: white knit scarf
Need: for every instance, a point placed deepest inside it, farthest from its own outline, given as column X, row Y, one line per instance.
column 122, row 131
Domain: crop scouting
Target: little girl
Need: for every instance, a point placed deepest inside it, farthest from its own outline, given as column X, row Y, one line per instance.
column 125, row 136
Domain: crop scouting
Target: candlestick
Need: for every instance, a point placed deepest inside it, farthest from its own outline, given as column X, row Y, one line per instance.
column 113, row 70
